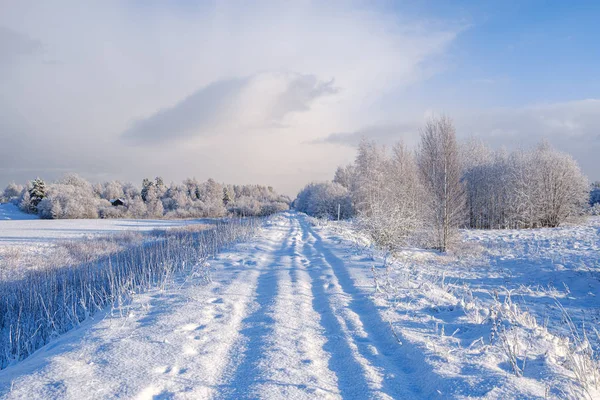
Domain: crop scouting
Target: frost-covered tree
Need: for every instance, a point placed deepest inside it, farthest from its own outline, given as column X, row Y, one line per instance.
column 246, row 206
column 112, row 190
column 74, row 197
column 486, row 177
column 160, row 186
column 440, row 168
column 525, row 189
column 12, row 193
column 369, row 181
column 344, row 176
column 137, row 208
column 563, row 188
column 25, row 201
column 324, row 200
column 406, row 196
column 37, row 191
column 146, row 185
column 71, row 197
column 211, row 194
column 154, row 205
column 227, row 195
column 130, row 191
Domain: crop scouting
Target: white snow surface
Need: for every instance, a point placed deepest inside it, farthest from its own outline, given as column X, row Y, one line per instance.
column 9, row 211
column 19, row 228
column 295, row 314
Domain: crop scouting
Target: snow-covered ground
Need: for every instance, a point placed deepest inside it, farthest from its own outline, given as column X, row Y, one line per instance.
column 27, row 242
column 524, row 298
column 17, row 227
column 9, row 211
column 309, row 311
column 542, row 268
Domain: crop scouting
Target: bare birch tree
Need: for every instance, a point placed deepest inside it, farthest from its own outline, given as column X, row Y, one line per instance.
column 440, row 168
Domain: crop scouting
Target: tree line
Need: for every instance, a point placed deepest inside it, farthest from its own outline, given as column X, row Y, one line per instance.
column 401, row 196
column 74, row 197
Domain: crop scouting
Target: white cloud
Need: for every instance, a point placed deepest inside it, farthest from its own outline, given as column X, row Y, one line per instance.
column 384, row 134
column 14, row 45
column 229, row 90
column 232, row 106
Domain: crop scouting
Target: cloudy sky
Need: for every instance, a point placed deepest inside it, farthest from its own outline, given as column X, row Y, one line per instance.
column 279, row 92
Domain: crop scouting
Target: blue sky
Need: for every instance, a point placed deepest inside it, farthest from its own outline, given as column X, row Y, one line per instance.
column 515, row 53
column 278, row 92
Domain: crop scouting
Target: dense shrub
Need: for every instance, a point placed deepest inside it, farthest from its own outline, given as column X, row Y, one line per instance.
column 323, row 200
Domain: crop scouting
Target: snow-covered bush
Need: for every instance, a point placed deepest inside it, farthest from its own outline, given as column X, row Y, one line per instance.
column 323, row 200
column 11, row 193
column 245, row 206
column 72, row 197
column 113, row 212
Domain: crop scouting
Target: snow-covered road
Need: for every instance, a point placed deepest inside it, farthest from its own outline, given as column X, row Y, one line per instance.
column 282, row 318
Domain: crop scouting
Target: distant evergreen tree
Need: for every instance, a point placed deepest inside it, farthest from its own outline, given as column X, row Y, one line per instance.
column 25, row 202
column 227, row 197
column 146, row 185
column 161, row 188
column 37, row 192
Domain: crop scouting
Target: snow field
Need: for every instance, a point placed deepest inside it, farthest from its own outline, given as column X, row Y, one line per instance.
column 310, row 311
column 18, row 228
column 27, row 242
column 280, row 319
column 478, row 314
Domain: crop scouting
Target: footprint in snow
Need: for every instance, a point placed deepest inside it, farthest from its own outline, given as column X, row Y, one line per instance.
column 164, row 369
column 189, row 351
column 188, row 328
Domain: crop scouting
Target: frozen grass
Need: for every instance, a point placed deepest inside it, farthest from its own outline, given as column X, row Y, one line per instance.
column 513, row 313
column 45, row 303
column 18, row 259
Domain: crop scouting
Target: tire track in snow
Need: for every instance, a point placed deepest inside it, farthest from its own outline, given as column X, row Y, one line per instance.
column 297, row 365
column 246, row 371
column 349, row 370
column 365, row 356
